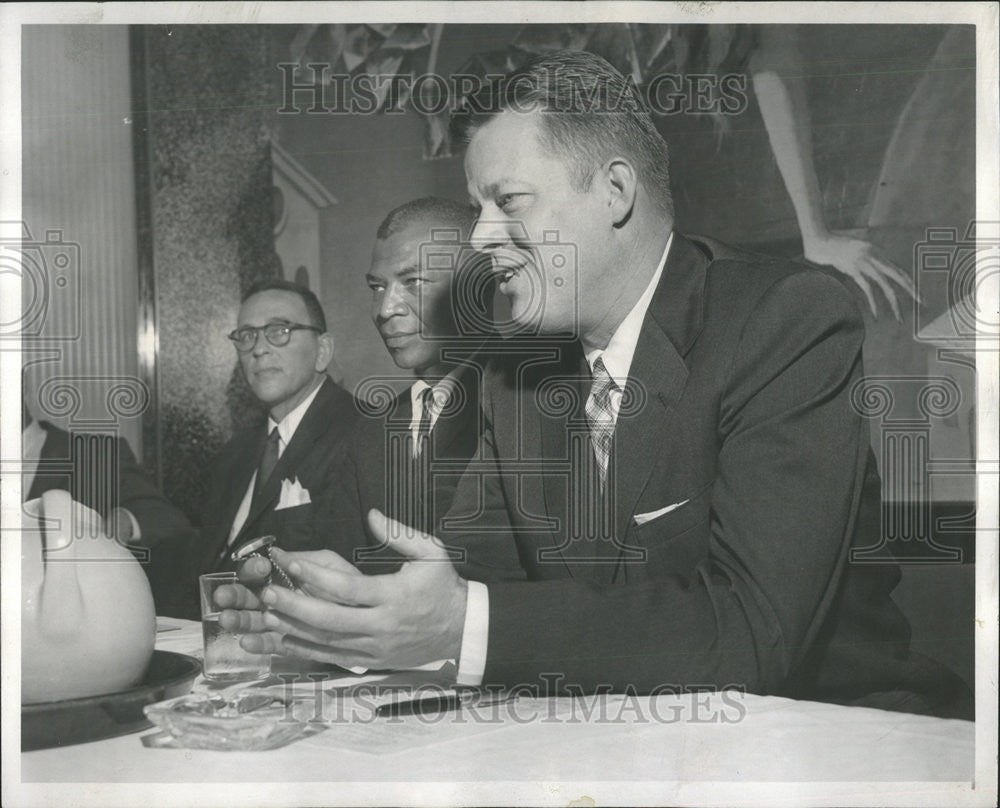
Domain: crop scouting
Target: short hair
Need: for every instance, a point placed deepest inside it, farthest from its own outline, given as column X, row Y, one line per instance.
column 313, row 308
column 432, row 210
column 590, row 112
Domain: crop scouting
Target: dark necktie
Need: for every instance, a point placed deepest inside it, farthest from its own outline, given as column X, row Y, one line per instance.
column 268, row 460
column 424, row 427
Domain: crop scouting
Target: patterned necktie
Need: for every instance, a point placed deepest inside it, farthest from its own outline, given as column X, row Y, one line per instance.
column 268, row 460
column 600, row 416
column 424, row 427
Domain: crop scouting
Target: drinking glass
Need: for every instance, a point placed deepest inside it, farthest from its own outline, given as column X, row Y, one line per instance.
column 225, row 658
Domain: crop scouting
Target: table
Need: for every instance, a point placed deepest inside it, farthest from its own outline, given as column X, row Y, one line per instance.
column 676, row 741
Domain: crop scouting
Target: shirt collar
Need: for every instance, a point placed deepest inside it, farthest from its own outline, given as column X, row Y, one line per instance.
column 416, row 395
column 445, row 385
column 291, row 421
column 621, row 347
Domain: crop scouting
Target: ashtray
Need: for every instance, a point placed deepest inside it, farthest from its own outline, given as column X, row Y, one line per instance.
column 244, row 721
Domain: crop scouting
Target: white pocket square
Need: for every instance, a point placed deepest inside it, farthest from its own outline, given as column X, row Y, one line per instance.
column 292, row 495
column 642, row 518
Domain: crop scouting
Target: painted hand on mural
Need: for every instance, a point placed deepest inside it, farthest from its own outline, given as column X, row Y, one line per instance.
column 776, row 70
column 857, row 259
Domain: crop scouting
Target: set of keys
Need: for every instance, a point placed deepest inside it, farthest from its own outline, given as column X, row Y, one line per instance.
column 261, row 548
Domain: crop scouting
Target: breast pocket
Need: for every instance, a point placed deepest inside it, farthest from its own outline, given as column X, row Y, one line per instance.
column 676, row 541
column 299, row 528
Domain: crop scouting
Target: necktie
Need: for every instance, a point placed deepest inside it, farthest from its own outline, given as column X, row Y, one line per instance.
column 600, row 416
column 424, row 427
column 268, row 460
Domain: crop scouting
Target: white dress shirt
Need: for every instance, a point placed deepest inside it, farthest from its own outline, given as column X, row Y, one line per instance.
column 286, row 429
column 617, row 360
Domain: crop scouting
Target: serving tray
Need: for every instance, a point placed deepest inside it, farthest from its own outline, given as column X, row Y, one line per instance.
column 93, row 718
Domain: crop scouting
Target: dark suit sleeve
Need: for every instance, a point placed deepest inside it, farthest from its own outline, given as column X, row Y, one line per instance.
column 165, row 530
column 786, row 492
column 158, row 518
column 477, row 530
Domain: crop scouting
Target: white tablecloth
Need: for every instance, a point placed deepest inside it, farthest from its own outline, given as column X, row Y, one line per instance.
column 672, row 740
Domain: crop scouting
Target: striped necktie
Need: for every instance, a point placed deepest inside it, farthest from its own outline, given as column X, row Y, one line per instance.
column 600, row 416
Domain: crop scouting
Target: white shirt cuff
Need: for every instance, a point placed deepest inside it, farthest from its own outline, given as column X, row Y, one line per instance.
column 475, row 636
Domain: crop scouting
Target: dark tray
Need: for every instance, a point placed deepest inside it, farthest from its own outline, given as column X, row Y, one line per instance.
column 92, row 718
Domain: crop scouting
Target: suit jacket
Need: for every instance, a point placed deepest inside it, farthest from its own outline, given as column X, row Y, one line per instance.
column 309, row 456
column 68, row 462
column 737, row 428
column 379, row 471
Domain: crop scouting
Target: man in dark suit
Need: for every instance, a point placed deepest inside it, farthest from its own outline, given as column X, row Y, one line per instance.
column 101, row 472
column 135, row 512
column 406, row 457
column 687, row 518
column 272, row 478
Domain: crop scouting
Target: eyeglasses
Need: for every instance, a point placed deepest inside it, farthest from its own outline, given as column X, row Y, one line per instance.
column 278, row 334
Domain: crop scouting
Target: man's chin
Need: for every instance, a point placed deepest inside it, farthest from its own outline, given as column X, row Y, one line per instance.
column 407, row 359
column 524, row 319
column 269, row 396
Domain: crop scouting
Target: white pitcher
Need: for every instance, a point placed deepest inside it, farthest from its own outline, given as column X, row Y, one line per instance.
column 87, row 618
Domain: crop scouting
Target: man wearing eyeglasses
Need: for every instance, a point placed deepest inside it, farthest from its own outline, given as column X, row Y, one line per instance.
column 272, row 479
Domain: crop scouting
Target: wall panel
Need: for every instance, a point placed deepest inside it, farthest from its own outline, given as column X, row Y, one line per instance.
column 78, row 205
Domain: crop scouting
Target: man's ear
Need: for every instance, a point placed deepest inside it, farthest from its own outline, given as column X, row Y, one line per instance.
column 325, row 355
column 622, row 184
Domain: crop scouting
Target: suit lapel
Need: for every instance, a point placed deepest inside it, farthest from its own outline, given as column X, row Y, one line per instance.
column 395, row 483
column 241, row 467
column 244, row 465
column 561, row 474
column 456, row 432
column 313, row 425
column 657, row 378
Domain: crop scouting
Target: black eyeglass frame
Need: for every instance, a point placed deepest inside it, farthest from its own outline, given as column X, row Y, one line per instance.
column 279, row 336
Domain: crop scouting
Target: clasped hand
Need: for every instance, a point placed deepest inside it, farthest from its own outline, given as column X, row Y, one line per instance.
column 401, row 620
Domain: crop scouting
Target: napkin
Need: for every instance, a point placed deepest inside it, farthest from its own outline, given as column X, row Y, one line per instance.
column 292, row 494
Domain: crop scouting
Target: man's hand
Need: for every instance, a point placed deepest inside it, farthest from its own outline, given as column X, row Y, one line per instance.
column 118, row 526
column 401, row 620
column 243, row 609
